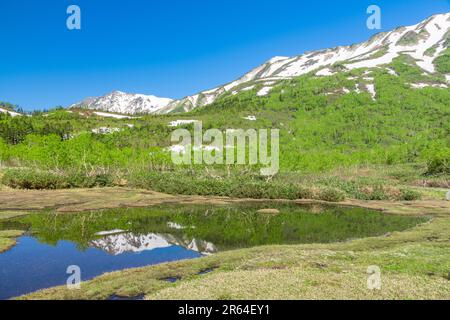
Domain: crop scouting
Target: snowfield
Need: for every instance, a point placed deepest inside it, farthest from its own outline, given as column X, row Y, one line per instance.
column 11, row 113
column 124, row 103
column 111, row 115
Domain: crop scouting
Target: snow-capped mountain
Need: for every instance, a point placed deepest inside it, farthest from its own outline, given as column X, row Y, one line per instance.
column 124, row 103
column 424, row 42
column 120, row 243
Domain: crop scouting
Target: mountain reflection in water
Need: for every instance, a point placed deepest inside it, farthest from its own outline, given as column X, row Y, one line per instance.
column 117, row 244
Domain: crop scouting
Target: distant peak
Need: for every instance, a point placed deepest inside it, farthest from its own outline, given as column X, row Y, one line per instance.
column 117, row 92
column 125, row 103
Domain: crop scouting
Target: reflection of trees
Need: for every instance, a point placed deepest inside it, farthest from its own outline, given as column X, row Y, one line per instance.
column 225, row 227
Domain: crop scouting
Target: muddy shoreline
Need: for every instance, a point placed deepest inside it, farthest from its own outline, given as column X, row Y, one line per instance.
column 78, row 200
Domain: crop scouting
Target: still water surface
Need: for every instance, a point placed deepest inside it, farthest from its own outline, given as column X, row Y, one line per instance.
column 118, row 239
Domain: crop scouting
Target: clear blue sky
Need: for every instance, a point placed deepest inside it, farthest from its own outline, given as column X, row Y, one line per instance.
column 169, row 48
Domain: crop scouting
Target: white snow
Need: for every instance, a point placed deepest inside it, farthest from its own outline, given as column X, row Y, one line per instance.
column 107, row 233
column 116, row 244
column 277, row 59
column 111, row 115
column 264, row 91
column 371, row 89
column 392, row 72
column 105, row 130
column 419, row 85
column 248, row 88
column 120, row 243
column 125, row 103
column 11, row 113
column 193, row 245
column 174, row 225
column 177, row 123
column 324, row 72
column 424, row 85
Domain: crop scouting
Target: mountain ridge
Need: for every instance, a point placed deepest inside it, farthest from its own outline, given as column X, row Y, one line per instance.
column 424, row 42
column 124, row 103
column 282, row 68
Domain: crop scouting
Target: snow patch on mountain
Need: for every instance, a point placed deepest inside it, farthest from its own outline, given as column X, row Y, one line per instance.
column 112, row 115
column 371, row 89
column 324, row 72
column 415, row 41
column 177, row 123
column 264, row 91
column 11, row 113
column 425, row 85
column 124, row 103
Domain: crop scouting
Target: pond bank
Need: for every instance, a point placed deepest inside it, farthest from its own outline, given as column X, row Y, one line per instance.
column 415, row 263
column 77, row 200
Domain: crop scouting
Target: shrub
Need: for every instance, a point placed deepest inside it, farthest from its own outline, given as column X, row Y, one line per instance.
column 331, row 195
column 438, row 165
column 237, row 187
column 38, row 180
column 29, row 179
column 410, row 195
column 303, row 193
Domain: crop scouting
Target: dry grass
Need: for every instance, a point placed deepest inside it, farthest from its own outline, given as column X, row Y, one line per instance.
column 7, row 239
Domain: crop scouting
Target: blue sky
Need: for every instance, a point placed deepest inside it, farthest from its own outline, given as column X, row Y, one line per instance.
column 169, row 48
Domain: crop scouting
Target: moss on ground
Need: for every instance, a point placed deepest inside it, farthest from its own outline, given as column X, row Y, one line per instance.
column 7, row 239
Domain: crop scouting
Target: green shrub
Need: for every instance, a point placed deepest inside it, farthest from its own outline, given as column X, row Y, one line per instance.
column 303, row 193
column 237, row 187
column 38, row 180
column 442, row 62
column 410, row 195
column 29, row 179
column 331, row 195
column 438, row 165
